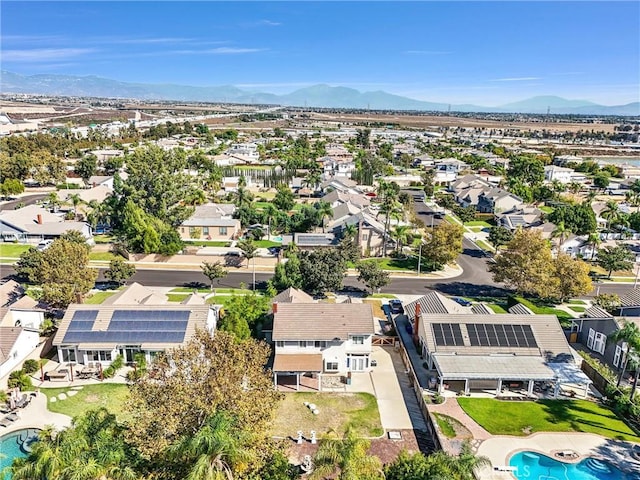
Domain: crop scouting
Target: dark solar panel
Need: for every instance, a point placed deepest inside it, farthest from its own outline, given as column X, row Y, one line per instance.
column 150, row 315
column 500, row 335
column 79, row 326
column 88, row 315
column 447, row 334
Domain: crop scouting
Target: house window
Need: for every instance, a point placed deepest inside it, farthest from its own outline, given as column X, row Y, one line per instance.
column 205, row 230
column 68, row 355
column 98, row 356
column 181, row 229
column 222, row 230
column 617, row 356
column 290, row 344
column 358, row 340
column 331, row 366
column 596, row 341
column 320, row 344
column 365, row 237
column 279, row 344
column 302, row 344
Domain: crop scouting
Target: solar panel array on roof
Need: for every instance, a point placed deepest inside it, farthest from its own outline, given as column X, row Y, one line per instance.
column 517, row 220
column 150, row 326
column 88, row 315
column 500, row 335
column 447, row 334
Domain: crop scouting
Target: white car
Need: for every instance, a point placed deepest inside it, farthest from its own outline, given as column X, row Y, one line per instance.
column 43, row 245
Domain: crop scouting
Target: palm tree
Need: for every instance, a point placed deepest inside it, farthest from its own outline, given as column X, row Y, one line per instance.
column 574, row 187
column 388, row 192
column 323, row 210
column 215, row 451
column 249, row 251
column 75, row 201
column 269, row 213
column 53, row 200
column 593, row 241
column 347, row 455
column 611, row 212
column 561, row 233
column 629, row 334
column 467, row 463
column 313, row 179
column 402, row 235
column 349, row 230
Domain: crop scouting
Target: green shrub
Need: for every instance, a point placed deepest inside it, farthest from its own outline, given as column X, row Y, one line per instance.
column 437, row 398
column 30, row 366
column 21, row 380
column 118, row 362
column 109, row 372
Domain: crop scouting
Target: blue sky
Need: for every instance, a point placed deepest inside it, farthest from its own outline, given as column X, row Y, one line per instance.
column 487, row 53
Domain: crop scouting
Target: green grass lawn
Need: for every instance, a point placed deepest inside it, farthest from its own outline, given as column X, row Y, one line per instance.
column 207, row 243
column 546, row 209
column 577, row 309
column 189, row 290
column 478, row 223
column 445, row 427
column 576, row 302
column 497, row 308
column 176, row 297
column 13, row 250
column 512, row 418
column 109, row 395
column 337, row 412
column 103, row 238
column 381, row 295
column 563, row 316
column 409, row 263
column 103, row 256
column 266, row 243
column 484, row 245
column 98, row 297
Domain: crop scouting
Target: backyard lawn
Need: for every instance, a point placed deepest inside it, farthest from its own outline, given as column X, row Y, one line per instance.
column 12, row 250
column 337, row 412
column 521, row 418
column 109, row 395
column 98, row 297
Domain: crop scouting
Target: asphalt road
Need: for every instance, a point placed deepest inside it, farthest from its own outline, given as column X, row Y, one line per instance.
column 27, row 200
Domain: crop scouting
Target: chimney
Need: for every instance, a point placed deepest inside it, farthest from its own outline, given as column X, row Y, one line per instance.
column 274, row 307
column 39, row 219
column 416, row 324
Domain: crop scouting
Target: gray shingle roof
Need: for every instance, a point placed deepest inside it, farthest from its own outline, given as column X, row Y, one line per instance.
column 520, row 309
column 596, row 312
column 630, row 299
column 321, row 321
column 434, row 302
column 292, row 295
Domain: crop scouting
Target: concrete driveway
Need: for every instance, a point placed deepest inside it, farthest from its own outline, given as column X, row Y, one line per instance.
column 393, row 410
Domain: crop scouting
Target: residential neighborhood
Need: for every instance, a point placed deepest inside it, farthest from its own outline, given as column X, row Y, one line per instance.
column 429, row 291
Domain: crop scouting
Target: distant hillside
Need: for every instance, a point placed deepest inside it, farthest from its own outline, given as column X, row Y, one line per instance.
column 314, row 96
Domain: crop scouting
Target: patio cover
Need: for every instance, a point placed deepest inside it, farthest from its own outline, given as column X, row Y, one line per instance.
column 569, row 373
column 492, row 367
column 297, row 362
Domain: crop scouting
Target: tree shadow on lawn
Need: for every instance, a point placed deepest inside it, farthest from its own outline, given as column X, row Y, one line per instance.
column 566, row 411
column 464, row 289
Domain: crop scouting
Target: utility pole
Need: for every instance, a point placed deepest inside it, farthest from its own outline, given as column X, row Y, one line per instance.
column 420, row 256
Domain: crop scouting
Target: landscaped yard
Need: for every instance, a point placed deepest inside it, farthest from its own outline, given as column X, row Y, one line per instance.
column 266, row 244
column 13, row 250
column 103, row 256
column 521, row 418
column 563, row 316
column 450, row 427
column 377, row 307
column 478, row 223
column 109, row 395
column 98, row 297
column 337, row 412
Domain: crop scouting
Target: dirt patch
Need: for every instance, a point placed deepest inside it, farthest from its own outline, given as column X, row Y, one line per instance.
column 92, row 398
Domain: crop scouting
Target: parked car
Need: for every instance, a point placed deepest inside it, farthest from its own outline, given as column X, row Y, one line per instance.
column 396, row 306
column 462, row 301
column 43, row 245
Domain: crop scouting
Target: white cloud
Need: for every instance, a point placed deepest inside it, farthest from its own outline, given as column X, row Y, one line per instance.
column 515, row 79
column 43, row 54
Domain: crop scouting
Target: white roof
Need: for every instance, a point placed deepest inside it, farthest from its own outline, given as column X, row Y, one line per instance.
column 486, row 367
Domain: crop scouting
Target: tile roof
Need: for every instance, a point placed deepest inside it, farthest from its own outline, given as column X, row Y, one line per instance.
column 434, row 302
column 8, row 337
column 292, row 295
column 322, row 321
column 303, row 362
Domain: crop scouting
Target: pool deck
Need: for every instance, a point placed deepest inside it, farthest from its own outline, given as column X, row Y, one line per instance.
column 36, row 415
column 499, row 449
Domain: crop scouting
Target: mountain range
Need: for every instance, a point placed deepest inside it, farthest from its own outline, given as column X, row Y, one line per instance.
column 313, row 96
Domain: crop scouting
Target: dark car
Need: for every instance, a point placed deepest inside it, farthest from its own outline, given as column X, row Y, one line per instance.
column 396, row 306
column 462, row 301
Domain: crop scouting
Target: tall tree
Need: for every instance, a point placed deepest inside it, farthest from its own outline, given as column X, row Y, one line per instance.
column 629, row 334
column 499, row 236
column 213, row 271
column 615, row 258
column 370, row 273
column 217, row 451
column 571, row 277
column 322, row 270
column 388, row 193
column 402, row 235
column 119, row 271
column 284, row 199
column 443, row 245
column 324, row 211
column 249, row 250
column 181, row 389
column 561, row 233
column 526, row 264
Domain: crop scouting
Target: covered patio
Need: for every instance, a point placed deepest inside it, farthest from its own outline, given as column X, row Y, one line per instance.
column 570, row 379
column 492, row 372
column 297, row 372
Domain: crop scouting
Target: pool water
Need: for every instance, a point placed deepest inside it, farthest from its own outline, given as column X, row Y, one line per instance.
column 16, row 445
column 534, row 466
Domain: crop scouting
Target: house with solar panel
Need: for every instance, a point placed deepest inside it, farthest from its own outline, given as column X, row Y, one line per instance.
column 471, row 348
column 316, row 339
column 135, row 320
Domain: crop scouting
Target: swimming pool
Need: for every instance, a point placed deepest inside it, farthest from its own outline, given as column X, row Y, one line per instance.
column 535, row 466
column 16, row 445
